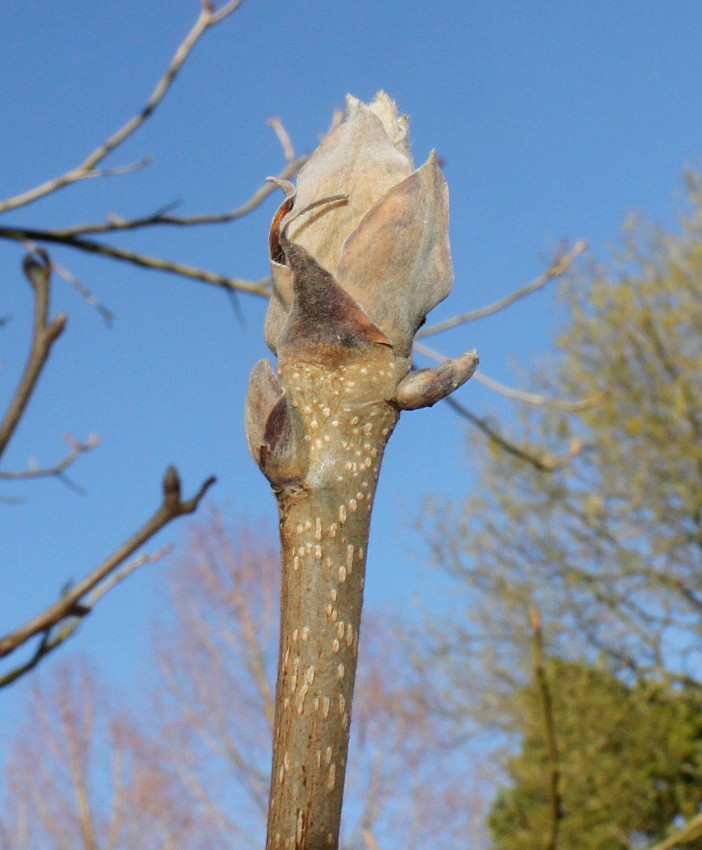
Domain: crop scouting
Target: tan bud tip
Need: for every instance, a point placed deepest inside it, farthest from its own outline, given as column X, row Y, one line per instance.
column 425, row 387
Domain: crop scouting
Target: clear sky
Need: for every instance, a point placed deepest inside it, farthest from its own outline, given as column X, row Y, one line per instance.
column 555, row 119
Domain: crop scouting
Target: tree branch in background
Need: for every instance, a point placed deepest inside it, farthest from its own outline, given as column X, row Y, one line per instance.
column 73, row 603
column 182, row 269
column 54, row 636
column 72, row 237
column 559, row 266
column 208, row 17
column 546, row 461
column 77, row 449
column 37, row 268
column 162, row 217
column 556, row 807
column 518, row 395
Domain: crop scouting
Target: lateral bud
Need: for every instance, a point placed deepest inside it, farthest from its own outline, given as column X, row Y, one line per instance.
column 425, row 387
column 273, row 431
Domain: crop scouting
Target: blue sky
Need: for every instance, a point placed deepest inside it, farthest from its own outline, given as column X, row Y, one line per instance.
column 555, row 119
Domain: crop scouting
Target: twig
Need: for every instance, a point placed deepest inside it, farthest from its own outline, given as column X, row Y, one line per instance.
column 692, row 829
column 545, row 463
column 208, row 17
column 54, row 636
column 519, row 395
column 170, row 508
column 106, row 314
column 277, row 125
column 542, row 400
column 77, row 449
column 252, row 287
column 162, row 218
column 369, row 840
column 37, row 268
column 556, row 809
column 560, row 264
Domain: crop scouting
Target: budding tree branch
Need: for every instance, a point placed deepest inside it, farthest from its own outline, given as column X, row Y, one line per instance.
column 72, row 603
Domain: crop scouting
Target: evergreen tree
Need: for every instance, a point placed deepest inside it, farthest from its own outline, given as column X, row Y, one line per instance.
column 629, row 761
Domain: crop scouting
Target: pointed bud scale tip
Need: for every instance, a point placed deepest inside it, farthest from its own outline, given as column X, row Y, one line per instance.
column 425, row 387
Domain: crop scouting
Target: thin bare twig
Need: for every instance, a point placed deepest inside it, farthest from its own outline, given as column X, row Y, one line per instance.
column 542, row 400
column 73, row 601
column 278, row 128
column 37, row 268
column 87, row 169
column 161, row 217
column 77, row 448
column 556, row 807
column 107, row 315
column 54, row 636
column 560, row 264
column 545, row 463
column 519, row 395
column 182, row 269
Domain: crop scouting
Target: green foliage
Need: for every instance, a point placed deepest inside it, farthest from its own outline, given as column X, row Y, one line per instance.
column 607, row 547
column 630, row 762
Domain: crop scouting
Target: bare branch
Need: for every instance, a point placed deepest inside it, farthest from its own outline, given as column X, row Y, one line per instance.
column 546, row 462
column 161, row 217
column 106, row 314
column 87, row 169
column 182, row 269
column 559, row 266
column 77, row 448
column 170, row 508
column 55, row 636
column 277, row 125
column 37, row 268
column 519, row 395
column 537, row 399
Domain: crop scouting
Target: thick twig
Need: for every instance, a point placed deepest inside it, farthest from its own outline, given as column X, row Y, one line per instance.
column 555, row 796
column 37, row 268
column 560, row 264
column 170, row 508
column 369, row 840
column 87, row 169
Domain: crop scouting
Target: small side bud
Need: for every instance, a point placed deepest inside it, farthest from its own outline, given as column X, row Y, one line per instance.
column 58, row 325
column 425, row 387
column 272, row 430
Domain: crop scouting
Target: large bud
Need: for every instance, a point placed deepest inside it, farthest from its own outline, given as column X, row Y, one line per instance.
column 385, row 241
column 359, row 255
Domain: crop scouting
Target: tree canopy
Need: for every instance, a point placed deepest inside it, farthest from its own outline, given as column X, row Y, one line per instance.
column 630, row 764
